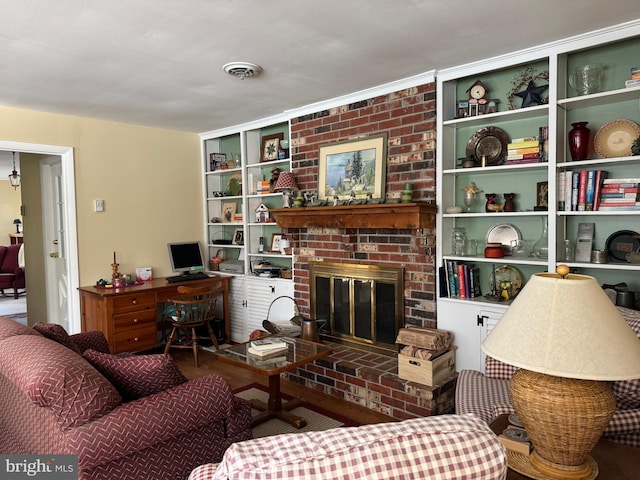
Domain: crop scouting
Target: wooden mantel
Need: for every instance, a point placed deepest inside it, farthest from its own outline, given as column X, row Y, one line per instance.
column 402, row 216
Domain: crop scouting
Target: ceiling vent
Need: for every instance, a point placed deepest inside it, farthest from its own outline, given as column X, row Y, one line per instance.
column 242, row 70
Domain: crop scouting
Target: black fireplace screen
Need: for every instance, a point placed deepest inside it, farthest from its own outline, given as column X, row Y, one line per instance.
column 362, row 303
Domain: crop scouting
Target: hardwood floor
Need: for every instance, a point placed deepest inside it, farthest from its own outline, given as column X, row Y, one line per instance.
column 239, row 377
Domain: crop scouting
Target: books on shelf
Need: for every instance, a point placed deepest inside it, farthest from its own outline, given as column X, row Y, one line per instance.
column 592, row 190
column 462, row 279
column 268, row 344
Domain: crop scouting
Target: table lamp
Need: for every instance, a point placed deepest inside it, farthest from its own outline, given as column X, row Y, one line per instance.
column 288, row 186
column 568, row 339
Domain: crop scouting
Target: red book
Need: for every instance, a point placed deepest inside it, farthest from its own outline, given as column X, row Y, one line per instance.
column 619, row 190
column 461, row 281
column 582, row 191
column 601, row 176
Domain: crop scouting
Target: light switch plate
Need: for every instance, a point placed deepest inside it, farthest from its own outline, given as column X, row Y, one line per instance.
column 99, row 205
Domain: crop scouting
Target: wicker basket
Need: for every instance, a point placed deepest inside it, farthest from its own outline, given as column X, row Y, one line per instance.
column 214, row 263
column 286, row 273
column 290, row 329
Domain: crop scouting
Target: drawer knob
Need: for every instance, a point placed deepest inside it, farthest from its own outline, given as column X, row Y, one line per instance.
column 136, row 339
column 135, row 320
column 135, row 301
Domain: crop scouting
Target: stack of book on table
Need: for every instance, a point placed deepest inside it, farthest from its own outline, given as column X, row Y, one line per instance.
column 270, row 349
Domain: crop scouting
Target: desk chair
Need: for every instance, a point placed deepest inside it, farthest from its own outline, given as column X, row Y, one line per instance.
column 195, row 307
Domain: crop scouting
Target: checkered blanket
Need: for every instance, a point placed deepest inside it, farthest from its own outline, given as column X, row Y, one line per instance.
column 442, row 447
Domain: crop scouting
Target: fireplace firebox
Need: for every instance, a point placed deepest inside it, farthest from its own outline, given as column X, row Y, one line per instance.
column 362, row 304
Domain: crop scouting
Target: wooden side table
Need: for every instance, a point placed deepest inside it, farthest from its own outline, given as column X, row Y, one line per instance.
column 15, row 238
column 615, row 460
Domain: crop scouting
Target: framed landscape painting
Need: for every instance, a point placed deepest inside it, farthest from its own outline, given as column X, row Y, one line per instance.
column 353, row 168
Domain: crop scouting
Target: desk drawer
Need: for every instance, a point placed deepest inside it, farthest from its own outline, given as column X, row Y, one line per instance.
column 134, row 339
column 129, row 303
column 141, row 319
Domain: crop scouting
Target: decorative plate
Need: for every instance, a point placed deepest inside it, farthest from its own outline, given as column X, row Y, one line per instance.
column 504, row 233
column 488, row 142
column 506, row 273
column 615, row 138
column 622, row 242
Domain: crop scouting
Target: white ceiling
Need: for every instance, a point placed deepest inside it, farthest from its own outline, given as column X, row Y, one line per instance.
column 159, row 62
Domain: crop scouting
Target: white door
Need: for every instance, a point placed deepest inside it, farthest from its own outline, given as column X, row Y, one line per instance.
column 55, row 248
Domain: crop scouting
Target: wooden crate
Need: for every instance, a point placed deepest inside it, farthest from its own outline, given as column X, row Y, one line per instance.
column 427, row 372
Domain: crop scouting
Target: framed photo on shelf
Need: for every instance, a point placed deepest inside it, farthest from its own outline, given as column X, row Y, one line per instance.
column 238, row 237
column 270, row 146
column 228, row 212
column 276, row 238
column 353, row 168
column 216, row 161
column 542, row 196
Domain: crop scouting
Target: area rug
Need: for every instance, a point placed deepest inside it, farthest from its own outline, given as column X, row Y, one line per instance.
column 317, row 418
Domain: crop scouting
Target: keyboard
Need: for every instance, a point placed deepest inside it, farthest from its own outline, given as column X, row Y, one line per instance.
column 187, row 278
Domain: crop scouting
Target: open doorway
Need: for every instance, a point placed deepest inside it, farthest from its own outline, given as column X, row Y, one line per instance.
column 46, row 297
column 11, row 239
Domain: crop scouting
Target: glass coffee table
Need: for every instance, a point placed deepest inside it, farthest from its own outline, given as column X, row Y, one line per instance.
column 298, row 352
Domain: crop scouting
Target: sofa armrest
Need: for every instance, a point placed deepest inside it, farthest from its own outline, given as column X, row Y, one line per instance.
column 94, row 340
column 624, row 422
column 147, row 421
column 479, row 394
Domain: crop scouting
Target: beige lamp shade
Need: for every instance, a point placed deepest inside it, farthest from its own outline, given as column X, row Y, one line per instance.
column 566, row 327
column 286, row 181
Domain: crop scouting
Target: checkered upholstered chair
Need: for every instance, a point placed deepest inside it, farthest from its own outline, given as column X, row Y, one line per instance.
column 487, row 395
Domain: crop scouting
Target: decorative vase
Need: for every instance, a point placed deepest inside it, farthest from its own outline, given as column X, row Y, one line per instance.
column 407, row 193
column 541, row 247
column 579, row 141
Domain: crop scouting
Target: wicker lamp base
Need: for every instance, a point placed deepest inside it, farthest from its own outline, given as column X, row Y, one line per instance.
column 564, row 418
column 522, row 464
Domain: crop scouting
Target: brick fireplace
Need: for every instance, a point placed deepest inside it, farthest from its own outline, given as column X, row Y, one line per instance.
column 408, row 118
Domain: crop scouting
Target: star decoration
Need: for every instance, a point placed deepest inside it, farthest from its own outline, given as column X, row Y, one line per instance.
column 532, row 94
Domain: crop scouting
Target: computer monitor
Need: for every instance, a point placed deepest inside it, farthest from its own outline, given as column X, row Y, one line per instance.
column 186, row 257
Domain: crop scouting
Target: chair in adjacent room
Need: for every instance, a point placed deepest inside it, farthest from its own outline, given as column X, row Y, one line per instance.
column 194, row 308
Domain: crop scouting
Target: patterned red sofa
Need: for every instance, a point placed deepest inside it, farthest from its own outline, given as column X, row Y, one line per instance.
column 11, row 273
column 54, row 401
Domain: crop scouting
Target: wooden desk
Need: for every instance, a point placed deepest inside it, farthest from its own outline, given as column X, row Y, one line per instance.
column 616, row 461
column 128, row 316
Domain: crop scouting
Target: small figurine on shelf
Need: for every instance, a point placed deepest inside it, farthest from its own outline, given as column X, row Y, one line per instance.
column 491, row 205
column 509, row 203
column 275, row 173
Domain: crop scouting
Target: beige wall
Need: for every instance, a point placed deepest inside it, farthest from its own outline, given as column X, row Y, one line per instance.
column 149, row 178
column 9, row 209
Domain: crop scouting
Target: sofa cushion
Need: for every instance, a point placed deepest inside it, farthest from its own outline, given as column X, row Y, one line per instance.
column 57, row 333
column 446, row 446
column 139, row 375
column 10, row 328
column 55, row 377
